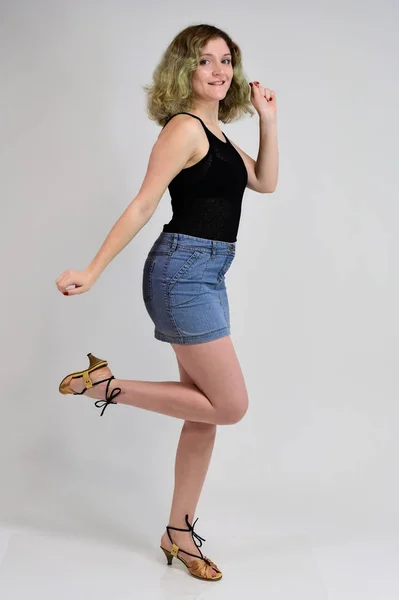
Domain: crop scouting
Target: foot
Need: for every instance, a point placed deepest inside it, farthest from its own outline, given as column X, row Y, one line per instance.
column 97, row 391
column 185, row 541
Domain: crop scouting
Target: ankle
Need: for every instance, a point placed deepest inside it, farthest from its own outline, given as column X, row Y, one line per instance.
column 180, row 522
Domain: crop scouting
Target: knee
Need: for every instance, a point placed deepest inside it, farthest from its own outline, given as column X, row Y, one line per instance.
column 199, row 427
column 233, row 414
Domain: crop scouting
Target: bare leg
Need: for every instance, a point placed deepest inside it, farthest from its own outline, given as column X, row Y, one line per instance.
column 193, row 456
column 218, row 395
column 172, row 398
column 211, row 391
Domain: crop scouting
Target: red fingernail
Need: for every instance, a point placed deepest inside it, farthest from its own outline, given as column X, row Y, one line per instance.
column 65, row 293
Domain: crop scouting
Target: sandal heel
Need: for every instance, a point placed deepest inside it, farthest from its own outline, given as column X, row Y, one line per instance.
column 168, row 555
column 94, row 364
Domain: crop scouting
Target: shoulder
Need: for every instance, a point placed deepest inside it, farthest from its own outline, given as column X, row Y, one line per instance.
column 181, row 122
column 181, row 131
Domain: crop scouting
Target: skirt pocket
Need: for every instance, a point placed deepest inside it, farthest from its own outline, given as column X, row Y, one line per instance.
column 185, row 272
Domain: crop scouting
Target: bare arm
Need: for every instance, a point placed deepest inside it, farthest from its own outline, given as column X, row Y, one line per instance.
column 175, row 145
column 127, row 226
column 263, row 173
column 267, row 163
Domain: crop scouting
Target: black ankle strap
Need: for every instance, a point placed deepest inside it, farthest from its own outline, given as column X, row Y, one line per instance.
column 193, row 535
column 108, row 399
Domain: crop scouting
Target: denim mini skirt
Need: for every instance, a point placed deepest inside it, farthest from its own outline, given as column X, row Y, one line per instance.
column 184, row 288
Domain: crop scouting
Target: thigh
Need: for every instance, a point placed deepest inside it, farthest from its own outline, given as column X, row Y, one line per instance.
column 184, row 376
column 214, row 368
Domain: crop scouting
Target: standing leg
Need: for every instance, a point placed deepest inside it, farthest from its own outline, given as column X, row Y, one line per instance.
column 193, row 456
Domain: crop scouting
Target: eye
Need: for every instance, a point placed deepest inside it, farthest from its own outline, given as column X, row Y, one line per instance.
column 204, row 59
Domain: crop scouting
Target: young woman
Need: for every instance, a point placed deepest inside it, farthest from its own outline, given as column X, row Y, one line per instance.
column 198, row 82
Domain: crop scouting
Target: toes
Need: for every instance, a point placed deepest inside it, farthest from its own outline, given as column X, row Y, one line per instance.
column 76, row 384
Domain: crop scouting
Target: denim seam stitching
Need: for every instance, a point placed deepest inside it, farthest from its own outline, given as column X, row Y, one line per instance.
column 224, row 312
column 183, row 270
column 166, row 286
column 149, row 282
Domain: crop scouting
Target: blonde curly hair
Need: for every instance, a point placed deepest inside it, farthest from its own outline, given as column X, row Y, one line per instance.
column 171, row 91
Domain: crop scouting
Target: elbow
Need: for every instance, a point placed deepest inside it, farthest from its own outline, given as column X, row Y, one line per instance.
column 267, row 187
column 269, row 190
column 272, row 188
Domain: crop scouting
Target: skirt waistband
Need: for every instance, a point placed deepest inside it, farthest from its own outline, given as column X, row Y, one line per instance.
column 174, row 240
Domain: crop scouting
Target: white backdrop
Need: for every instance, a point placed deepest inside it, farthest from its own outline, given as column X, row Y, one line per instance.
column 313, row 290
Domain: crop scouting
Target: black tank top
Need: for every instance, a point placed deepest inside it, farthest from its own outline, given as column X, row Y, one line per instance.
column 207, row 197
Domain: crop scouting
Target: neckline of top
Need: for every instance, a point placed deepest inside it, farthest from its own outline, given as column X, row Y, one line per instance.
column 221, row 141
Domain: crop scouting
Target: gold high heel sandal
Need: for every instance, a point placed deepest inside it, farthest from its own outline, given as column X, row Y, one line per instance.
column 199, row 568
column 95, row 363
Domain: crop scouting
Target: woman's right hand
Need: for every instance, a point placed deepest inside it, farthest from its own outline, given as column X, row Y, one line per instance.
column 82, row 280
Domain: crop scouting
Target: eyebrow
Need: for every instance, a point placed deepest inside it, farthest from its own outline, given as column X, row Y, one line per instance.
column 209, row 54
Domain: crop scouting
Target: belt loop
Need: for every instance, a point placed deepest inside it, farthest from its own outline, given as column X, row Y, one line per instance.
column 173, row 243
column 213, row 248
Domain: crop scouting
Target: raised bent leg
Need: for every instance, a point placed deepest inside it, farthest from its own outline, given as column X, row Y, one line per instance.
column 218, row 394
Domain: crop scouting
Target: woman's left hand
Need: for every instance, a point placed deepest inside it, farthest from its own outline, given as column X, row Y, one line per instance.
column 264, row 101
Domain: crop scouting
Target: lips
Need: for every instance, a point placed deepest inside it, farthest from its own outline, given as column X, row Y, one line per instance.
column 216, row 83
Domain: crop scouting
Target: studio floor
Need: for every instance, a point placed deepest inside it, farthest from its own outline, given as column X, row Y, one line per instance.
column 53, row 566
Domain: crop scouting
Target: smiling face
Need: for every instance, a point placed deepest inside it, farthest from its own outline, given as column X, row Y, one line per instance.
column 214, row 65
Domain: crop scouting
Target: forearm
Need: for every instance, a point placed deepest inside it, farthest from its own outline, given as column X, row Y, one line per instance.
column 127, row 226
column 267, row 163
